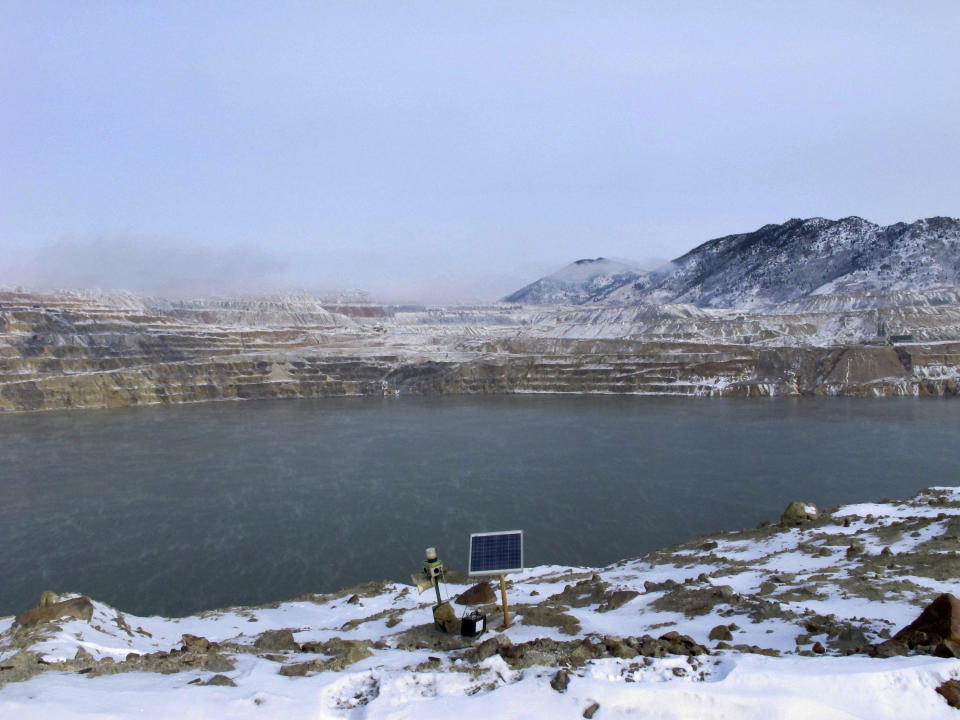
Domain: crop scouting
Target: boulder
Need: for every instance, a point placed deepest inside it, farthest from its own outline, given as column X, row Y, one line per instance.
column 849, row 638
column 78, row 607
column 195, row 643
column 48, row 598
column 276, row 641
column 720, row 632
column 950, row 690
column 479, row 594
column 560, row 681
column 798, row 513
column 889, row 648
column 939, row 621
column 221, row 680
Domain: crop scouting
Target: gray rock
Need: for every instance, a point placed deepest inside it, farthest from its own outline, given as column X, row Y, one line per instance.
column 849, row 638
column 560, row 681
column 591, row 709
column 221, row 680
column 276, row 641
column 218, row 663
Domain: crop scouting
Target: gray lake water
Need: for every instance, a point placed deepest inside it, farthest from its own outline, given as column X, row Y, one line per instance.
column 170, row 510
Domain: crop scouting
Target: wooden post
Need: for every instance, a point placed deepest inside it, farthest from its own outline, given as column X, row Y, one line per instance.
column 503, row 595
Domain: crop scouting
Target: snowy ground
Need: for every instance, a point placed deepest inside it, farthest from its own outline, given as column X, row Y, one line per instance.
column 849, row 579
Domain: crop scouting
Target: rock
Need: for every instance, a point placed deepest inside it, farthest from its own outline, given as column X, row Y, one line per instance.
column 78, row 607
column 276, row 641
column 218, row 663
column 195, row 643
column 682, row 644
column 709, row 545
column 479, row 594
column 446, row 618
column 797, row 513
column 296, row 669
column 939, row 621
column 221, row 680
column 546, row 616
column 354, row 600
column 488, row 648
column 818, row 648
column 889, row 648
column 83, row 655
column 617, row 647
column 345, row 652
column 656, row 587
column 591, row 709
column 850, row 638
column 720, row 632
column 617, row 599
column 950, row 690
column 48, row 598
column 560, row 681
column 767, row 587
column 947, row 649
column 856, row 548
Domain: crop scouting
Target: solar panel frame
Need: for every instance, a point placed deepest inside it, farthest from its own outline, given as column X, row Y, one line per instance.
column 493, row 560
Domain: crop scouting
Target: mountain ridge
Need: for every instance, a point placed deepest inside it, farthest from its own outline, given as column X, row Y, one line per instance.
column 779, row 263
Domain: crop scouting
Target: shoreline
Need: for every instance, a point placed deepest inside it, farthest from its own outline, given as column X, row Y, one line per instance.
column 819, row 591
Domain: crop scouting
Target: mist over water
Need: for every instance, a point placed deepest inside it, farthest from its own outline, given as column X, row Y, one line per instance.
column 171, row 510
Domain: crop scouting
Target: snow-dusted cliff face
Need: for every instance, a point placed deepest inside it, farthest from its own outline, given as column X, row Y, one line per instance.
column 778, row 264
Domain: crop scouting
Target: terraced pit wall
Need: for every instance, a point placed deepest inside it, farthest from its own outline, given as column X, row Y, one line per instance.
column 563, row 367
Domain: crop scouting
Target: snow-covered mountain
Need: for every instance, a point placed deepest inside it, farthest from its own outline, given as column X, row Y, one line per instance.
column 580, row 282
column 777, row 264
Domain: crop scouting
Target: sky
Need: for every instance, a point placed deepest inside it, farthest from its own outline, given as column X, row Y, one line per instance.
column 451, row 151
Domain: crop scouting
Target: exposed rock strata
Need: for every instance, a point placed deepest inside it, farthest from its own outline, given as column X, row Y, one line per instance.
column 68, row 351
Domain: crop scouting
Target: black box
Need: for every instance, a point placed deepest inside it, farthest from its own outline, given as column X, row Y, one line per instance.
column 473, row 624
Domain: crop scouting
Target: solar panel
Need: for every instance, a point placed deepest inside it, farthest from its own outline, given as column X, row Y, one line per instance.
column 496, row 553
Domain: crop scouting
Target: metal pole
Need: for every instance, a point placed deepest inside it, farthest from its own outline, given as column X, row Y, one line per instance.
column 503, row 595
column 436, row 586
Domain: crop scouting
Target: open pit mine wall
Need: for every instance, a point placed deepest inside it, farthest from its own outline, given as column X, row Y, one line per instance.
column 503, row 367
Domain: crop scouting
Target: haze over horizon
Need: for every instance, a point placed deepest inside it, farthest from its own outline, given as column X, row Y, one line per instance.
column 451, row 152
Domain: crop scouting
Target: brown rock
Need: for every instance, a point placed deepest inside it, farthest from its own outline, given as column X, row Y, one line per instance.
column 818, row 648
column 940, row 618
column 79, row 607
column 591, row 709
column 720, row 632
column 195, row 643
column 479, row 594
column 951, row 692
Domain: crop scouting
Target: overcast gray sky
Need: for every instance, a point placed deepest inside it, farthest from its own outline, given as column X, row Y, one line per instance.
column 448, row 150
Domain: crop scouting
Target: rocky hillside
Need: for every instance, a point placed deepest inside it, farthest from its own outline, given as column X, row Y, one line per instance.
column 782, row 263
column 818, row 615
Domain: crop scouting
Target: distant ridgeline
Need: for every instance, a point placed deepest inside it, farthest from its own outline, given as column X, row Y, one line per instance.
column 775, row 264
column 813, row 306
